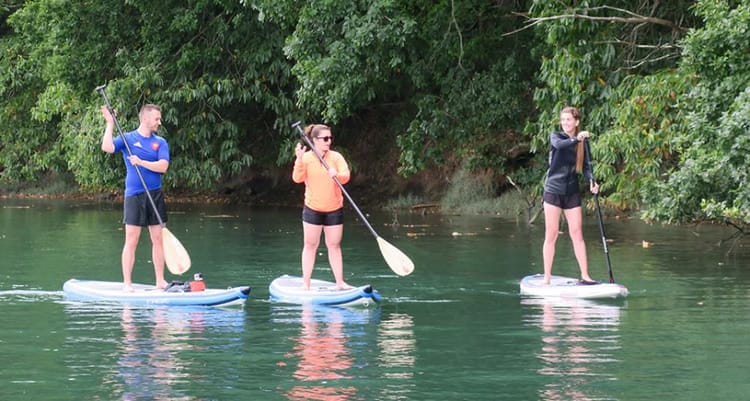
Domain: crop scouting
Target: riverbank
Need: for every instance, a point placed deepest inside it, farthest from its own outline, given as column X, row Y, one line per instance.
column 465, row 194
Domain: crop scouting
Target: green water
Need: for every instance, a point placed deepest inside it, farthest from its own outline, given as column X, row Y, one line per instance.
column 456, row 329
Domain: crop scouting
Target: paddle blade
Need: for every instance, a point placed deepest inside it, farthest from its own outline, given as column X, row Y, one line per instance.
column 396, row 260
column 175, row 255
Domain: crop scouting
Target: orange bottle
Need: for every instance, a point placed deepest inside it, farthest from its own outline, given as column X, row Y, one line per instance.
column 197, row 284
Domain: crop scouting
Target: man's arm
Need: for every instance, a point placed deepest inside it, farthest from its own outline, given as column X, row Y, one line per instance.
column 108, row 144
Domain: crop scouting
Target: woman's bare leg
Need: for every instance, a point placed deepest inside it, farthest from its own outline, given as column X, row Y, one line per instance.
column 311, row 241
column 551, row 231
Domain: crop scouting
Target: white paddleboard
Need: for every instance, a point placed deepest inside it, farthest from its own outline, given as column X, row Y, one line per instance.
column 143, row 294
column 289, row 289
column 567, row 287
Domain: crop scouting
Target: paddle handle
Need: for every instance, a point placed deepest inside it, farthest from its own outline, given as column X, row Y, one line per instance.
column 111, row 111
column 309, row 144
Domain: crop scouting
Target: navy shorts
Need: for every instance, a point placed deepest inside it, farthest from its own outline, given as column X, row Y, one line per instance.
column 333, row 218
column 139, row 212
column 563, row 201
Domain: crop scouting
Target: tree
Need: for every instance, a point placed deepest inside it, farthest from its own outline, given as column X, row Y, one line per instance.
column 710, row 179
column 458, row 87
column 217, row 71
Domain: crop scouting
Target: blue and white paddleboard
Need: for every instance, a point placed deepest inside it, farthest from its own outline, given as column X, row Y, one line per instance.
column 109, row 291
column 567, row 287
column 289, row 289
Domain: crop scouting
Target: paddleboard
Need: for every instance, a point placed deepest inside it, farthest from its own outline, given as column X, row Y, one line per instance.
column 289, row 289
column 567, row 287
column 143, row 294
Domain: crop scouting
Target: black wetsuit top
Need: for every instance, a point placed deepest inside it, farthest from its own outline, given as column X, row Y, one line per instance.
column 562, row 178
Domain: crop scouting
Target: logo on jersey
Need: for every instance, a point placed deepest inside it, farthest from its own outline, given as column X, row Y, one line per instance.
column 155, row 146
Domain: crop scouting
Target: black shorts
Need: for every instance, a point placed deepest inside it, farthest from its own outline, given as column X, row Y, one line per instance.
column 563, row 201
column 333, row 218
column 139, row 212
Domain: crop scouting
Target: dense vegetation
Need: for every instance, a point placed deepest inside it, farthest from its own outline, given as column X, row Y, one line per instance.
column 415, row 89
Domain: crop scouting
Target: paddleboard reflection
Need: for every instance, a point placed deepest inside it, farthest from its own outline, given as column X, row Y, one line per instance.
column 156, row 352
column 580, row 339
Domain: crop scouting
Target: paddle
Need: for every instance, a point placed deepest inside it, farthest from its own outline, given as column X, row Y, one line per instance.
column 396, row 260
column 587, row 153
column 175, row 255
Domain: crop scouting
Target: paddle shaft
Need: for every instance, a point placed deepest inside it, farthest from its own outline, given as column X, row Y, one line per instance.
column 100, row 89
column 335, row 179
column 587, row 153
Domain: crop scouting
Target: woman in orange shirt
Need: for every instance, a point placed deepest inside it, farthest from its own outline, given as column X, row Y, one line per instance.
column 323, row 211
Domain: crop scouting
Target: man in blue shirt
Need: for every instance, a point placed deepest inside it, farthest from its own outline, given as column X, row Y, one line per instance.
column 150, row 155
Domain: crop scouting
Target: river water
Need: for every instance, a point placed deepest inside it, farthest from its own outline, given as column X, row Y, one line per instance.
column 456, row 329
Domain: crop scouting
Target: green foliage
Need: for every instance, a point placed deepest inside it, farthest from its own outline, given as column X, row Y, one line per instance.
column 472, row 193
column 641, row 144
column 218, row 73
column 437, row 60
column 710, row 180
column 624, row 79
column 450, row 126
column 346, row 51
column 469, row 103
column 449, row 84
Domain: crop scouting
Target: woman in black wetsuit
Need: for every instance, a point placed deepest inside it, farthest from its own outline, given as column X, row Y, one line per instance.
column 561, row 191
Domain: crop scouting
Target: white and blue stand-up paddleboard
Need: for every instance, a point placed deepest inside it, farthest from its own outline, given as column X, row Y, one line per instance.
column 289, row 289
column 149, row 295
column 567, row 287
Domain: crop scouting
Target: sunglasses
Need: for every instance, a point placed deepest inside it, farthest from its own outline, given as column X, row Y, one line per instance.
column 325, row 138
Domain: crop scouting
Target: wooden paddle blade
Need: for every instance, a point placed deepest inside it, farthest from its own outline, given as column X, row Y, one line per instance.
column 396, row 260
column 175, row 255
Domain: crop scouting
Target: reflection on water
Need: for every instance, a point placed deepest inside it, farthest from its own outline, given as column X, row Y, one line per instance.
column 151, row 360
column 323, row 357
column 156, row 352
column 397, row 345
column 327, row 355
column 578, row 342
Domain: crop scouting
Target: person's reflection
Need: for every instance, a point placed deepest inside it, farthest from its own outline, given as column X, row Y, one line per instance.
column 149, row 360
column 576, row 346
column 324, row 359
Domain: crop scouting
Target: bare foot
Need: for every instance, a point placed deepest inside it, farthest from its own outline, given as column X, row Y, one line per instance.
column 127, row 287
column 162, row 285
column 344, row 286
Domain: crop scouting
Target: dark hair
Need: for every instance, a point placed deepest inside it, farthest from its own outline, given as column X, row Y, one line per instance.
column 575, row 113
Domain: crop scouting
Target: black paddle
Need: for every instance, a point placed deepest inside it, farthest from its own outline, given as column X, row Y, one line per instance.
column 587, row 153
column 396, row 260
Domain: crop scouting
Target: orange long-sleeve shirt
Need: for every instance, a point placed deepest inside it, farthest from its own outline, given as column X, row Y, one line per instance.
column 321, row 192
